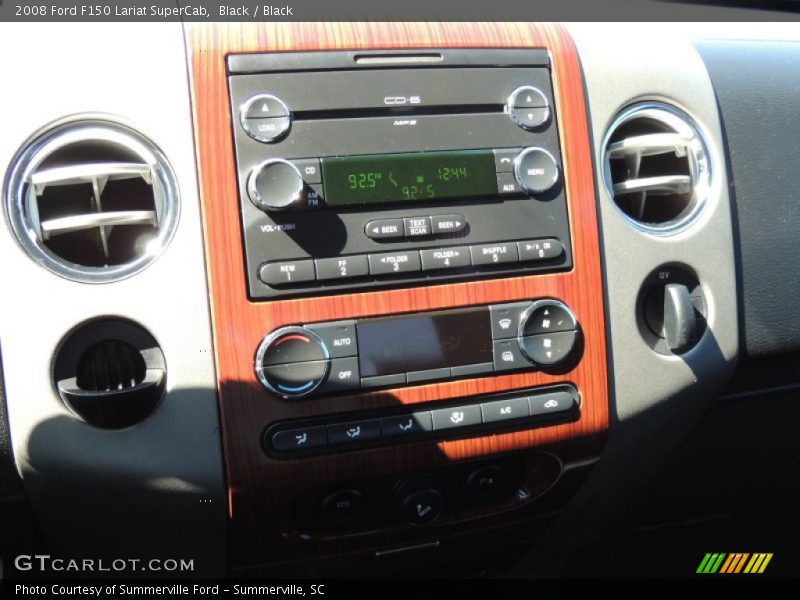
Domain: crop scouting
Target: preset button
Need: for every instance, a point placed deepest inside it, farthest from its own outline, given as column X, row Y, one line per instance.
column 394, row 262
column 445, row 258
column 493, row 254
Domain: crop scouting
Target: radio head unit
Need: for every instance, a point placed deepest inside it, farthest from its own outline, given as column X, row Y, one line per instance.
column 356, row 175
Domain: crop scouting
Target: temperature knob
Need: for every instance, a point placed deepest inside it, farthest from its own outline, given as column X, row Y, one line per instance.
column 275, row 184
column 547, row 332
column 292, row 362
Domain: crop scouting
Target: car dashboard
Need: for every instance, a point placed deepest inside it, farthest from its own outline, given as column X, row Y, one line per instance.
column 328, row 299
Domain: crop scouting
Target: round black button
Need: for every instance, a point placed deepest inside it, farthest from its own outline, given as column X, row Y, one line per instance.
column 265, row 118
column 487, row 484
column 536, row 170
column 342, row 509
column 292, row 362
column 422, row 507
column 275, row 184
column 529, row 107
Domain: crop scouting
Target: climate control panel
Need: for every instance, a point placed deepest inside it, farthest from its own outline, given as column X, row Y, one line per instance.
column 345, row 356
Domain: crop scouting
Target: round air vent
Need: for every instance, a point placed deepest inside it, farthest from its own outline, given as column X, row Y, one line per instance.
column 92, row 200
column 111, row 373
column 657, row 168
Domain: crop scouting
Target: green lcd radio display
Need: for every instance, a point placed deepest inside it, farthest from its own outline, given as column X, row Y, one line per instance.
column 408, row 177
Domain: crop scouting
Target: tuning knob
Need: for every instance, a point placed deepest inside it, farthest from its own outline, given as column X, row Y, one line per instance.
column 536, row 170
column 547, row 332
column 292, row 362
column 275, row 185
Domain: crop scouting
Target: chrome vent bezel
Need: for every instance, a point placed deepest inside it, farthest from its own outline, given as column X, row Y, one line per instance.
column 680, row 134
column 22, row 215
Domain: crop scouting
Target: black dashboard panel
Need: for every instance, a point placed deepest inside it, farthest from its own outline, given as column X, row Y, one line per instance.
column 389, row 176
column 757, row 87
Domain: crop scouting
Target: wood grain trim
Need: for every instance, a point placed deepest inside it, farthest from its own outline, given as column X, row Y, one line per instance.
column 261, row 490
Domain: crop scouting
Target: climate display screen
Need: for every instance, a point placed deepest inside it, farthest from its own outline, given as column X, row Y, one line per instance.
column 411, row 177
column 421, row 342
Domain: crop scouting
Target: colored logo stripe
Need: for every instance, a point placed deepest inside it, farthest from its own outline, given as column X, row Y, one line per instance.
column 736, row 562
column 711, row 563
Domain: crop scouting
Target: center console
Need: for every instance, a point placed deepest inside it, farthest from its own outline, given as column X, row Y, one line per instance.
column 404, row 267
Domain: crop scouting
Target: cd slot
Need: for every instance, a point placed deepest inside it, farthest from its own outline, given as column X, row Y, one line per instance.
column 397, row 111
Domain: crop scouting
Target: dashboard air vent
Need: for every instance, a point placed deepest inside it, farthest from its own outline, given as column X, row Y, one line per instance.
column 656, row 167
column 110, row 365
column 110, row 373
column 92, row 200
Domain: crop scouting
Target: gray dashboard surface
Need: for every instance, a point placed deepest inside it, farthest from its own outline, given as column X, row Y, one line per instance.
column 157, row 486
column 655, row 400
column 757, row 86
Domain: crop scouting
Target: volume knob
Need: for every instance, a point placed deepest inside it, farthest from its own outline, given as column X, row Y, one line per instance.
column 275, row 184
column 547, row 332
column 292, row 362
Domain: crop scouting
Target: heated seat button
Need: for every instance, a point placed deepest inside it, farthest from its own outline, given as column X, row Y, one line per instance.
column 355, row 431
column 422, row 507
column 287, row 440
column 489, row 484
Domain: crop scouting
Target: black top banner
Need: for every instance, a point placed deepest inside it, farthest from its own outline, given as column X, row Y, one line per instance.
column 398, row 10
